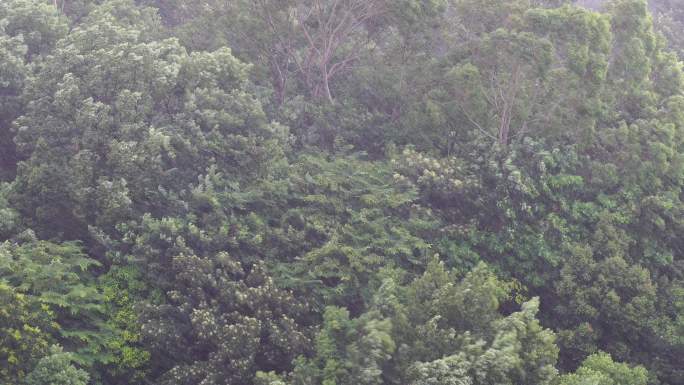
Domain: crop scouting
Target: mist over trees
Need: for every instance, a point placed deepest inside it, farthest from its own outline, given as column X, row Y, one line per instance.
column 333, row 192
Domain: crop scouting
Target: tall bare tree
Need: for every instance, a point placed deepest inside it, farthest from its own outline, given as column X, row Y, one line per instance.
column 312, row 40
column 335, row 34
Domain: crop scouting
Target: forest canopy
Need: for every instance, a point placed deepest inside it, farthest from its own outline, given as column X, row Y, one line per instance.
column 338, row 192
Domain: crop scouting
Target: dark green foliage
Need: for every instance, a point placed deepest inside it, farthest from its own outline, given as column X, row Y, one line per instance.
column 28, row 30
column 9, row 218
column 123, row 132
column 346, row 219
column 11, row 83
column 609, row 293
column 37, row 24
column 221, row 323
column 435, row 330
column 341, row 192
column 348, row 351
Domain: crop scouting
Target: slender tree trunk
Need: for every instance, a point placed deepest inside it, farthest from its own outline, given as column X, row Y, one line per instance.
column 326, row 84
column 279, row 83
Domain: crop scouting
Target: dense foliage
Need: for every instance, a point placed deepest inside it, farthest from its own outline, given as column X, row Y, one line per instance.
column 306, row 192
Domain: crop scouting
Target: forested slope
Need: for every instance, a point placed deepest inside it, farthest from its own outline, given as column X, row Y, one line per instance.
column 304, row 192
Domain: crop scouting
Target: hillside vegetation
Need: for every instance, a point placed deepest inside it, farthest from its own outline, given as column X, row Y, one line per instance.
column 341, row 192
